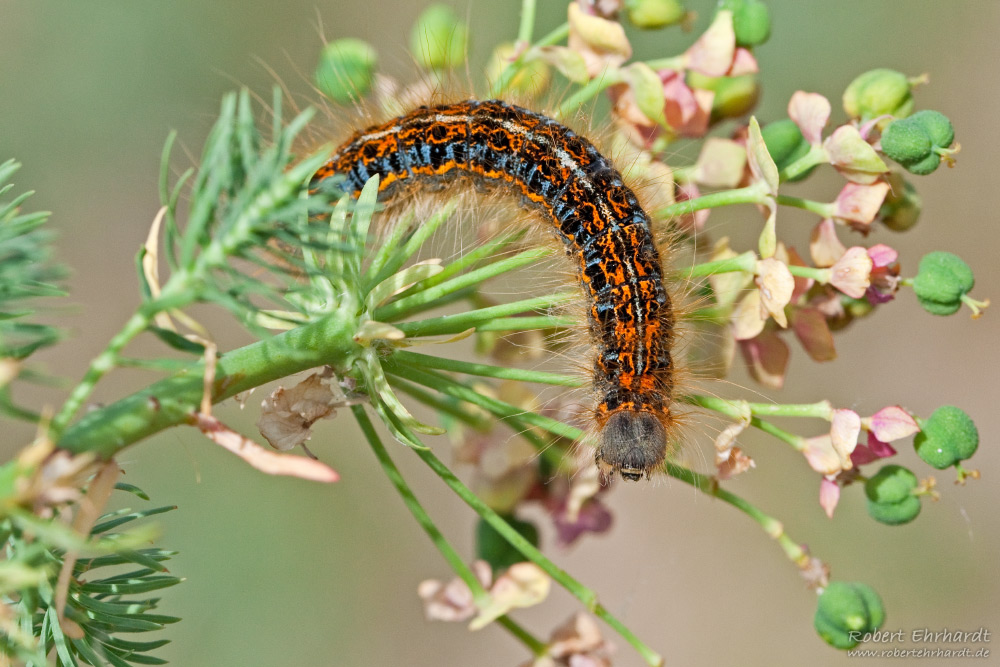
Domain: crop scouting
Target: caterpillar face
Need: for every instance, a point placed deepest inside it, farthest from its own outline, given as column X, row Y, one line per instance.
column 582, row 197
column 634, row 444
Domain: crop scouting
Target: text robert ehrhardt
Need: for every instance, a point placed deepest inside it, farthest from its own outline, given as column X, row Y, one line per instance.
column 923, row 636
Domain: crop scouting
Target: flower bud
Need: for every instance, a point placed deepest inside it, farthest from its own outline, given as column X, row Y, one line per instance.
column 439, row 39
column 878, row 92
column 846, row 608
column 751, row 21
column 786, row 144
column 946, row 437
column 531, row 80
column 654, row 14
column 902, row 205
column 346, row 70
column 941, row 282
column 918, row 142
column 890, row 496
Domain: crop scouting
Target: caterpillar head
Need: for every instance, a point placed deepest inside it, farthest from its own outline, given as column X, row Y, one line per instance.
column 633, row 444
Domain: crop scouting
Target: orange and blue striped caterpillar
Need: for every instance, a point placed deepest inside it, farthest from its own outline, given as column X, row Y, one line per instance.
column 565, row 178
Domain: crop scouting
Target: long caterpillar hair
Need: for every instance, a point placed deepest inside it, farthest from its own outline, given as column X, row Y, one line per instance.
column 581, row 196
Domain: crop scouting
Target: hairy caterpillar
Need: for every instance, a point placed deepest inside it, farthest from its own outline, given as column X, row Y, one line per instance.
column 562, row 176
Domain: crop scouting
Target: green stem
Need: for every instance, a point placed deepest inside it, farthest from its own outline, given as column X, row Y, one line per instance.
column 820, row 409
column 527, row 323
column 518, row 418
column 816, row 155
column 747, row 262
column 771, row 526
column 459, row 322
column 821, row 276
column 587, row 596
column 480, row 595
column 752, row 194
column 527, row 26
column 99, row 367
column 742, row 410
column 430, row 296
column 587, row 92
column 171, row 401
column 485, row 370
column 796, row 441
column 491, row 249
column 819, row 208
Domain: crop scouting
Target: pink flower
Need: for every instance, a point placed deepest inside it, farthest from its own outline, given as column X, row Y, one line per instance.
column 811, row 112
column 859, row 204
column 851, row 273
column 601, row 42
column 829, row 495
column 824, row 246
column 776, row 285
column 885, row 274
column 812, row 330
column 873, row 451
column 854, row 157
column 720, row 163
column 891, row 423
column 452, row 601
column 713, row 53
column 766, row 356
column 687, row 110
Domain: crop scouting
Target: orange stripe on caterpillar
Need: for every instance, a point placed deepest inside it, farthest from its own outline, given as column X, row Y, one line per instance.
column 578, row 190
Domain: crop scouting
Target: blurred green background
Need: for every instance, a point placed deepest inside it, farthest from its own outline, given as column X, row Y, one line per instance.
column 282, row 572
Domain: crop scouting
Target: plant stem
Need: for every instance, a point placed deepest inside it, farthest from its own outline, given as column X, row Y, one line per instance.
column 485, row 370
column 771, row 526
column 587, row 596
column 816, row 155
column 743, row 410
column 99, row 367
column 431, row 295
column 751, row 194
column 588, row 92
column 479, row 594
column 527, row 25
column 459, row 322
column 819, row 208
column 821, row 276
column 747, row 262
column 172, row 400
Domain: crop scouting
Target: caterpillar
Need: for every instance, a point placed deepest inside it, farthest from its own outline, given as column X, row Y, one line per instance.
column 562, row 176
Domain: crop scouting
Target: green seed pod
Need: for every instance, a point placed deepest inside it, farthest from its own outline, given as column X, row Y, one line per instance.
column 891, row 484
column 734, row 96
column 786, row 144
column 878, row 92
column 439, row 39
column 751, row 21
column 901, row 208
column 654, row 14
column 495, row 550
column 946, row 437
column 941, row 282
column 906, row 142
column 845, row 612
column 895, row 514
column 937, row 126
column 346, row 70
